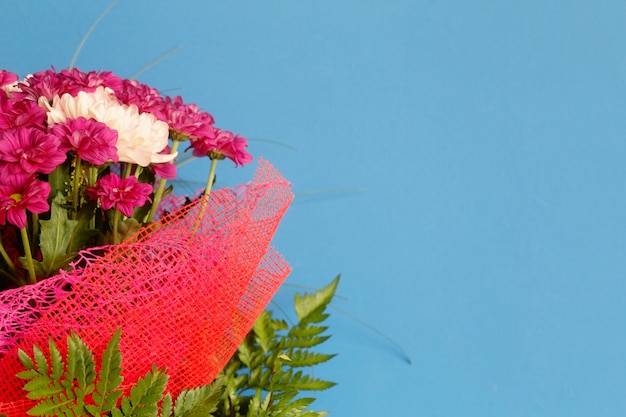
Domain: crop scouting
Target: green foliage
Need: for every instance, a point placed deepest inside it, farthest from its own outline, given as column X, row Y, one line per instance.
column 268, row 373
column 70, row 387
column 61, row 237
column 264, row 378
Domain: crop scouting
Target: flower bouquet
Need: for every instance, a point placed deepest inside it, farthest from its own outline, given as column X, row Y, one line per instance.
column 94, row 241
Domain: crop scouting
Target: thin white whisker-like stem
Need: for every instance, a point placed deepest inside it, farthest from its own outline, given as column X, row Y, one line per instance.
column 371, row 328
column 274, row 142
column 154, row 62
column 88, row 34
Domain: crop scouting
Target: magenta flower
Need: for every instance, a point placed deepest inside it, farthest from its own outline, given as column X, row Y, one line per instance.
column 123, row 193
column 19, row 193
column 41, row 84
column 186, row 121
column 7, row 77
column 223, row 145
column 77, row 80
column 166, row 170
column 146, row 98
column 92, row 141
column 50, row 83
column 30, row 150
column 15, row 112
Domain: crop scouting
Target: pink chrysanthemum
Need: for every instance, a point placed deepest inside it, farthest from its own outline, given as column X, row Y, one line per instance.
column 166, row 170
column 21, row 113
column 30, row 151
column 77, row 80
column 223, row 145
column 41, row 84
column 92, row 141
column 50, row 83
column 7, row 78
column 187, row 121
column 146, row 98
column 19, row 193
column 123, row 193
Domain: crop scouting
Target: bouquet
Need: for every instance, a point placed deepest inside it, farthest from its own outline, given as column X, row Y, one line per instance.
column 94, row 241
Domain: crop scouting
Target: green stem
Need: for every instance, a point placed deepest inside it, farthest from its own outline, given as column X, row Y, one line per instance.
column 32, row 278
column 6, row 258
column 128, row 170
column 207, row 191
column 159, row 192
column 92, row 176
column 209, row 183
column 76, row 186
column 116, row 220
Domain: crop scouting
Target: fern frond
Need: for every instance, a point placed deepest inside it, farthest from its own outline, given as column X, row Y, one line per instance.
column 80, row 362
column 309, row 307
column 107, row 390
column 144, row 396
column 303, row 342
column 199, row 402
column 307, row 331
column 264, row 331
column 302, row 358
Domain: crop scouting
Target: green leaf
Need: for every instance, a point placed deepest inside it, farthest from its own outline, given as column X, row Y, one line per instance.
column 25, row 359
column 264, row 332
column 40, row 360
column 110, row 378
column 56, row 361
column 144, row 396
column 301, row 358
column 309, row 306
column 55, row 238
column 199, row 402
column 82, row 234
column 49, row 408
column 80, row 362
column 166, row 406
column 58, row 180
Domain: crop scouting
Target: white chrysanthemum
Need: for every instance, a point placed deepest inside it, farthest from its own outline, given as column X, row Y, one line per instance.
column 141, row 136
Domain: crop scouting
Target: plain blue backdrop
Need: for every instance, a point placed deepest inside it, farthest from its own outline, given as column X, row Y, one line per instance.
column 476, row 159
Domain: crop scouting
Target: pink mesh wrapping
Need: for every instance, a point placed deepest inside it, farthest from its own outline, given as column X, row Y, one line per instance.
column 185, row 292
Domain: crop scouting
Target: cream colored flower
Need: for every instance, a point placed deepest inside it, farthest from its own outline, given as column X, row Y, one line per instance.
column 141, row 136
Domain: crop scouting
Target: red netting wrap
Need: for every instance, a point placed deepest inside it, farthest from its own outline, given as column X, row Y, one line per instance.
column 185, row 292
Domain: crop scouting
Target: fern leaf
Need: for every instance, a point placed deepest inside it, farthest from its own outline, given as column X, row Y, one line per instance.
column 107, row 393
column 166, row 406
column 40, row 360
column 264, row 332
column 301, row 358
column 80, row 362
column 41, row 387
column 56, row 360
column 144, row 396
column 301, row 382
column 246, row 355
column 303, row 342
column 25, row 359
column 50, row 407
column 307, row 331
column 309, row 306
column 199, row 402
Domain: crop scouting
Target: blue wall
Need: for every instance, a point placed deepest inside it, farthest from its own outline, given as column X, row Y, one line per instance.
column 483, row 147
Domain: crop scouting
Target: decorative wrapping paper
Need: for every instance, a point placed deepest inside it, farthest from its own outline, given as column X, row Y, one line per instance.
column 185, row 291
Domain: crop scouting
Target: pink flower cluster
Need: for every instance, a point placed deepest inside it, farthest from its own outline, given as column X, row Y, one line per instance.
column 55, row 118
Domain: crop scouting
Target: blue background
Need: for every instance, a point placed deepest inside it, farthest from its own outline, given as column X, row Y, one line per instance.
column 482, row 145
